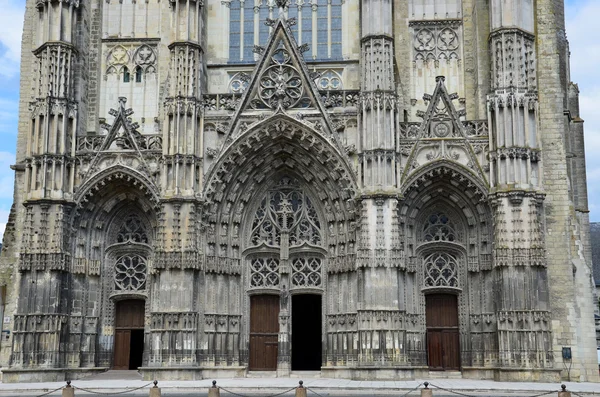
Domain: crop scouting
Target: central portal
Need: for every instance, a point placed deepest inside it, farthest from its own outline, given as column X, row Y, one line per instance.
column 306, row 332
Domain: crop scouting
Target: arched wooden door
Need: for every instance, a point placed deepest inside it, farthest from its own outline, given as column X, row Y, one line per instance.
column 129, row 334
column 443, row 349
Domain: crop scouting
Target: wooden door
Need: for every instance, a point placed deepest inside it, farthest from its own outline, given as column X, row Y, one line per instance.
column 129, row 317
column 264, row 330
column 122, row 348
column 443, row 346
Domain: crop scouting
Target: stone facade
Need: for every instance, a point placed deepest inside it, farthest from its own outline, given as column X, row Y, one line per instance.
column 385, row 159
column 595, row 244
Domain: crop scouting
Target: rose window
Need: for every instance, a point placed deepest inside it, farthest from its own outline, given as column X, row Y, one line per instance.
column 280, row 84
column 130, row 273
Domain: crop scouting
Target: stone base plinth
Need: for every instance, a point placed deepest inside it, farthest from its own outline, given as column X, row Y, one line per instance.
column 18, row 375
column 527, row 375
column 191, row 373
column 375, row 373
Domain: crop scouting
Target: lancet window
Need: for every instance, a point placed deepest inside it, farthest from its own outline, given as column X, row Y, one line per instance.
column 439, row 227
column 318, row 24
column 132, row 230
column 286, row 221
column 289, row 210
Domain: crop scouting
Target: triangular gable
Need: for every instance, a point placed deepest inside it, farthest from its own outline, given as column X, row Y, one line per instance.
column 281, row 81
column 122, row 136
column 441, row 120
column 440, row 134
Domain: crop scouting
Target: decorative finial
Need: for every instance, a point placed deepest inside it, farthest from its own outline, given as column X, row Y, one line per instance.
column 426, row 384
column 155, row 383
column 281, row 5
column 68, row 383
column 301, row 383
column 214, row 382
column 563, row 387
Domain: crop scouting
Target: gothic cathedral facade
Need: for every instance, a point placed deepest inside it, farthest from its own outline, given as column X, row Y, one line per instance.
column 372, row 189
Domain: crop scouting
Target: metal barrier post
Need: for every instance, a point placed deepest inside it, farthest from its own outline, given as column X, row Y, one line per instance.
column 300, row 390
column 564, row 392
column 214, row 390
column 426, row 392
column 155, row 391
column 68, row 391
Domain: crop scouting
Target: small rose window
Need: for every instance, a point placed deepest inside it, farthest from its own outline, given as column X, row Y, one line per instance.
column 130, row 273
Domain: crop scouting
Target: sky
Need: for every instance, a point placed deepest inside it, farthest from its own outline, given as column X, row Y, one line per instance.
column 581, row 16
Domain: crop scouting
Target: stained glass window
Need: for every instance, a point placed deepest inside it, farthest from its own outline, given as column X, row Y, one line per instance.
column 323, row 19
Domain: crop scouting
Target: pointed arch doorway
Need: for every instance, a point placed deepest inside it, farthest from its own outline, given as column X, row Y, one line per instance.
column 443, row 350
column 129, row 334
column 264, row 331
column 285, row 257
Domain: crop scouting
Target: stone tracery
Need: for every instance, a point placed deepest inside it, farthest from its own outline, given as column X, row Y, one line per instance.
column 258, row 191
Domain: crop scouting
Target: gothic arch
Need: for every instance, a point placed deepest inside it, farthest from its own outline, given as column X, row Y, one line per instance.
column 276, row 128
column 273, row 149
column 114, row 229
column 115, row 173
column 453, row 254
column 463, row 175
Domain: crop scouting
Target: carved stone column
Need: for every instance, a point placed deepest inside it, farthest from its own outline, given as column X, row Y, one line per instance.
column 378, row 249
column 178, row 259
column 521, row 286
column 41, row 340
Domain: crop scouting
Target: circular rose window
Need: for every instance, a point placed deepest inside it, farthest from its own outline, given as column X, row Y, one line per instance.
column 130, row 273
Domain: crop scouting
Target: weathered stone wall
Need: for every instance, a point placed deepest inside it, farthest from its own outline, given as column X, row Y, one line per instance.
column 431, row 156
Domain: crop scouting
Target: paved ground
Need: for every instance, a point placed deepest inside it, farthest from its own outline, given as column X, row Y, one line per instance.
column 178, row 393
column 119, row 381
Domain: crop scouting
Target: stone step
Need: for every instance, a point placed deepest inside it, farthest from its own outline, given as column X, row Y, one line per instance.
column 261, row 374
column 305, row 374
column 445, row 375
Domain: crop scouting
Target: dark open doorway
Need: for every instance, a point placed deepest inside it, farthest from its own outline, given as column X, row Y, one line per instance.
column 306, row 332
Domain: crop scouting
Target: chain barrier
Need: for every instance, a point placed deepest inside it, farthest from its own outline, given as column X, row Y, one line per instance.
column 50, row 392
column 112, row 392
column 410, row 391
column 254, row 395
column 577, row 394
column 471, row 395
column 312, row 391
column 427, row 384
column 448, row 390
